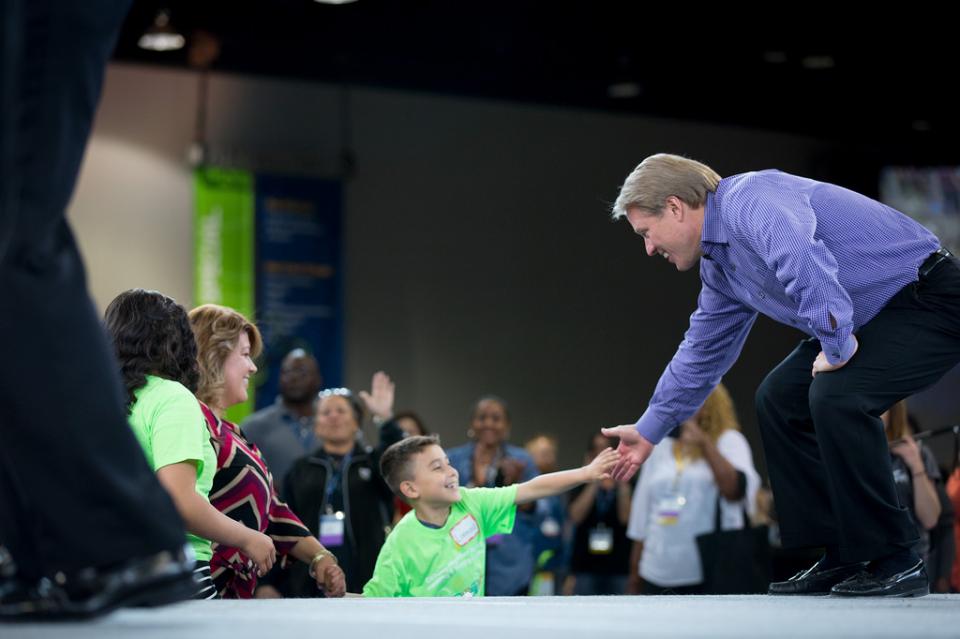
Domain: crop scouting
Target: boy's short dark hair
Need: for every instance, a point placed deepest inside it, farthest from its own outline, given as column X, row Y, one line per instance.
column 395, row 463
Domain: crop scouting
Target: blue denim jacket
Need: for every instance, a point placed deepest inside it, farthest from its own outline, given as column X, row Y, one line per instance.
column 510, row 560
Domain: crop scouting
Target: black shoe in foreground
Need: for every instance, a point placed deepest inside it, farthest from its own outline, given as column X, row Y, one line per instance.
column 155, row 580
column 815, row 580
column 912, row 582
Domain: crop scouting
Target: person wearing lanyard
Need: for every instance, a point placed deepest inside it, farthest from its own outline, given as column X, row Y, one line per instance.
column 677, row 497
column 337, row 490
column 601, row 549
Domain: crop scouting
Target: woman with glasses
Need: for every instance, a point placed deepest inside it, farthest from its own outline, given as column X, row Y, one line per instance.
column 337, row 490
column 243, row 487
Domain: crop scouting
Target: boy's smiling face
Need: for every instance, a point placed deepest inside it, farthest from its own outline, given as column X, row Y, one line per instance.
column 435, row 482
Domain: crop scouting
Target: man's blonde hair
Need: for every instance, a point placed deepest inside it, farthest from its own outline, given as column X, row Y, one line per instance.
column 660, row 176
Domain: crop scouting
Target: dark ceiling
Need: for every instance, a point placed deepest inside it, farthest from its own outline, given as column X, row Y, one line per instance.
column 887, row 83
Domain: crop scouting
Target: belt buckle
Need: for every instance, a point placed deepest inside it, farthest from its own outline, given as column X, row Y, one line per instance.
column 941, row 254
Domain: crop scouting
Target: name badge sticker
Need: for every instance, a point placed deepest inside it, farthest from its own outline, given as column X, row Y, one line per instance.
column 465, row 530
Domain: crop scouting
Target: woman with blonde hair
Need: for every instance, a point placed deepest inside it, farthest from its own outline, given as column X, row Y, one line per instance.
column 706, row 466
column 243, row 487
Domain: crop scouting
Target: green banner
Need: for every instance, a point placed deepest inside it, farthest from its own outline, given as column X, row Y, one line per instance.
column 223, row 247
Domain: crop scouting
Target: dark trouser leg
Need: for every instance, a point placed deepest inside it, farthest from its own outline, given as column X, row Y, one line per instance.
column 76, row 490
column 797, row 474
column 838, row 449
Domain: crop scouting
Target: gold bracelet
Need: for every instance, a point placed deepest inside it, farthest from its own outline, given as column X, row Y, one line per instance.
column 318, row 557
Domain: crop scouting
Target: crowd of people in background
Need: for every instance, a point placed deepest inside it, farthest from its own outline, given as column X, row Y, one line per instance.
column 291, row 503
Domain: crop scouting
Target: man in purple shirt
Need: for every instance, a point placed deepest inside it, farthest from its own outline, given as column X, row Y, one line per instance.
column 880, row 301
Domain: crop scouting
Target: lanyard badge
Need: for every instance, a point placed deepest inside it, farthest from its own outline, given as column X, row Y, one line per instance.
column 331, row 528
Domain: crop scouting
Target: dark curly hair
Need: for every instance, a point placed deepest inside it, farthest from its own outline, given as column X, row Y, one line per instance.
column 151, row 336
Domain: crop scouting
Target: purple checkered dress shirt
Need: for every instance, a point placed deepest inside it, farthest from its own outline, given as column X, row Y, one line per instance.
column 808, row 254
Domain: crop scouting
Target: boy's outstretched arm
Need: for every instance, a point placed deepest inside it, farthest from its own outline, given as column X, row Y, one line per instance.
column 556, row 483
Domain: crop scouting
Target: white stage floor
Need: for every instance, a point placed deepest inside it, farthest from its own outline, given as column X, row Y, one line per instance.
column 527, row 618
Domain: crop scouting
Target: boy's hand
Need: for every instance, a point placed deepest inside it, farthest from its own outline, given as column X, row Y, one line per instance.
column 602, row 465
column 555, row 483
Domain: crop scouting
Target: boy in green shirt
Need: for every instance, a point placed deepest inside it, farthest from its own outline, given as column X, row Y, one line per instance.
column 438, row 549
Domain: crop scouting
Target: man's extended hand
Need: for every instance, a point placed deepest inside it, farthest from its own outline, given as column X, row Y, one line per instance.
column 634, row 450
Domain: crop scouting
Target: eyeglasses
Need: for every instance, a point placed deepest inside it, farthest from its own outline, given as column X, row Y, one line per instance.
column 339, row 392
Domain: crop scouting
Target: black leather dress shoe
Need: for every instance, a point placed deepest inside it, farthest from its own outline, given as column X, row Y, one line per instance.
column 155, row 580
column 912, row 582
column 815, row 580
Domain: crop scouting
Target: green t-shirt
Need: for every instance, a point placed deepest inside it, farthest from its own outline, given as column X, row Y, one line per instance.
column 419, row 561
column 169, row 425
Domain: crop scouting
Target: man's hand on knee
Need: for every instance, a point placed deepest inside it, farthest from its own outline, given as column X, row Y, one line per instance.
column 822, row 365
